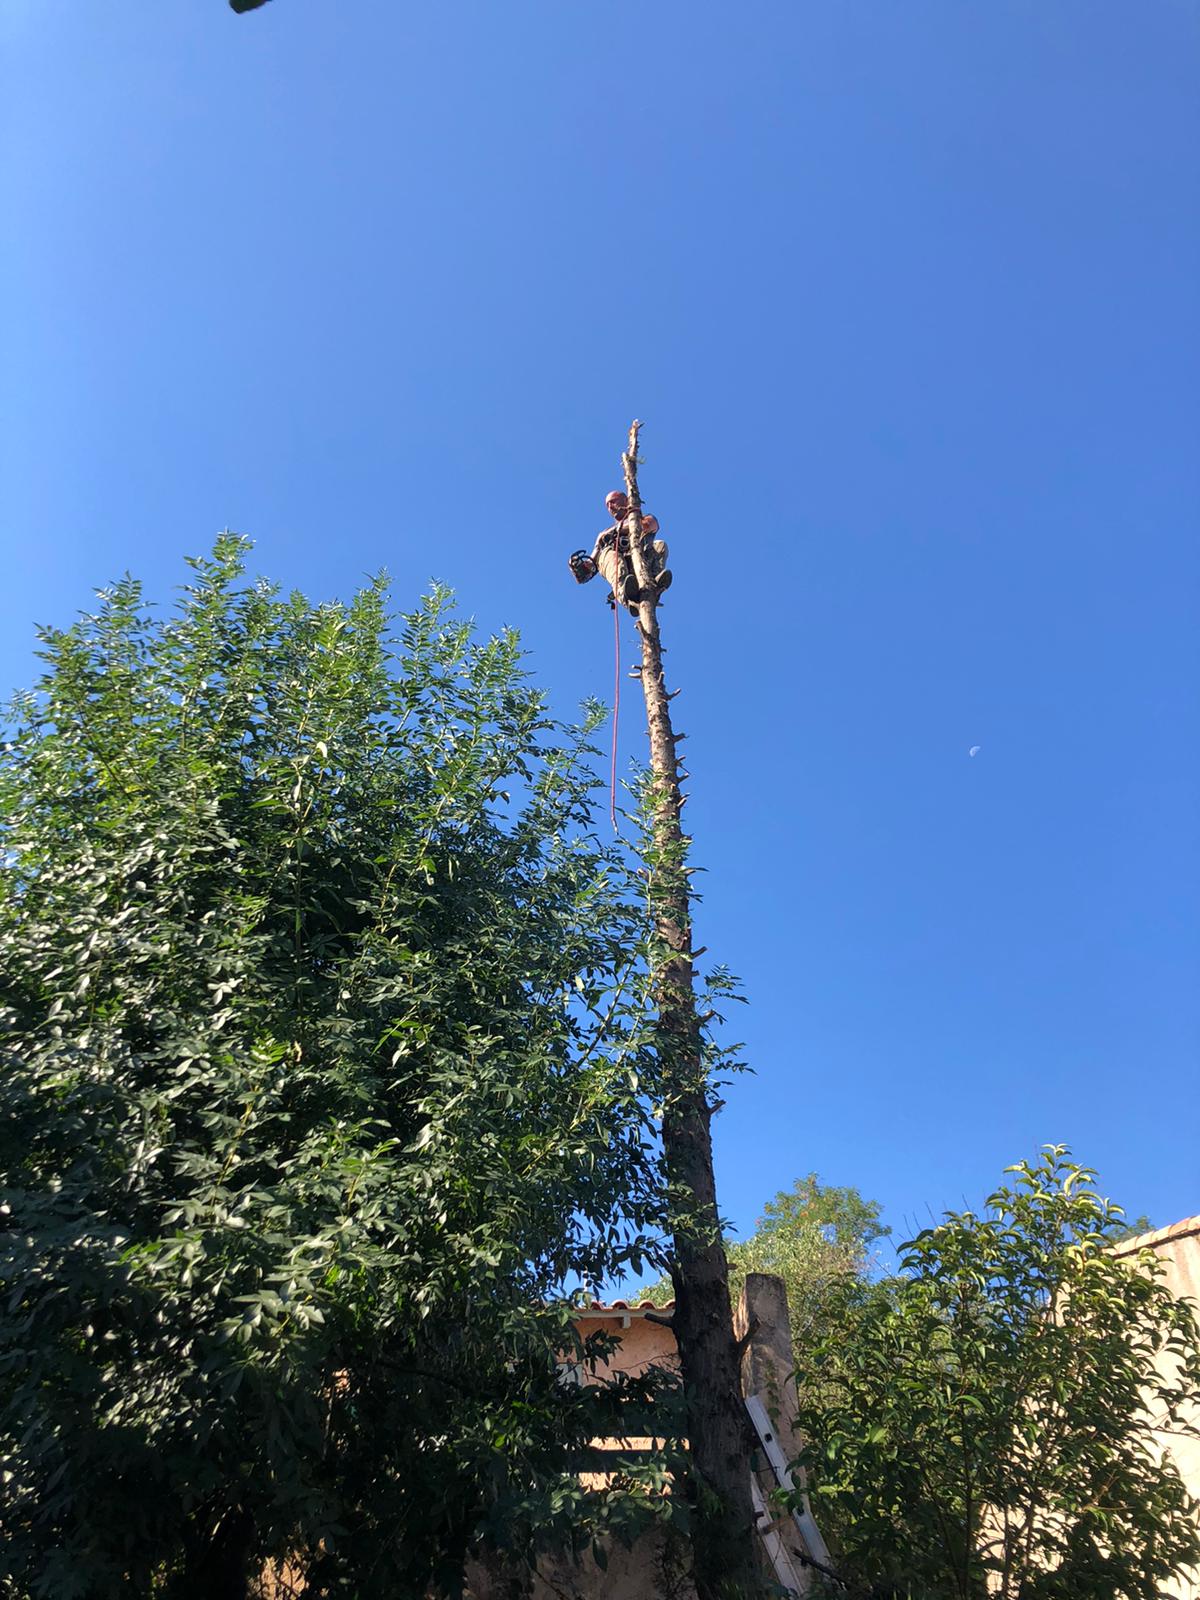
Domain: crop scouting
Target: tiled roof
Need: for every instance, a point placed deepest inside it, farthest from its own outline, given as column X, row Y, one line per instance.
column 627, row 1306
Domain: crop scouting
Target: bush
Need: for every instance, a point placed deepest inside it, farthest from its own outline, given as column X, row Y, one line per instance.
column 987, row 1423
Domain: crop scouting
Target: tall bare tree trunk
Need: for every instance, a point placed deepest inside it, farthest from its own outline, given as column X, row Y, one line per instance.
column 724, row 1540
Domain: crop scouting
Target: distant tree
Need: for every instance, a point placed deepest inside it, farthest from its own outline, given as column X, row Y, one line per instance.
column 324, row 1080
column 814, row 1236
column 1132, row 1229
column 984, row 1424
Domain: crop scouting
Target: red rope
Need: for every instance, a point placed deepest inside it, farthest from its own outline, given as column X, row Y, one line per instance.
column 612, row 782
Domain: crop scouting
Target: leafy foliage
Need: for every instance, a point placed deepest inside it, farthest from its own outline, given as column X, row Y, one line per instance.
column 1133, row 1228
column 985, row 1424
column 818, row 1238
column 325, row 1080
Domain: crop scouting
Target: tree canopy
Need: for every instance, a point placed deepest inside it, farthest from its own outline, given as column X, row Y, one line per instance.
column 326, row 1081
column 815, row 1237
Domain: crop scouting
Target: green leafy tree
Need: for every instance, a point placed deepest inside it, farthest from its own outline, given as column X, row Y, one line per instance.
column 1133, row 1229
column 325, row 1080
column 985, row 1424
column 816, row 1237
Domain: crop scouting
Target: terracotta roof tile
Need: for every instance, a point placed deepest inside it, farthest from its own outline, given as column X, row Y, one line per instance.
column 633, row 1309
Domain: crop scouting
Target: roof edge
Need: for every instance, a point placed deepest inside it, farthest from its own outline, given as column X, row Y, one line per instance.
column 1159, row 1236
column 625, row 1308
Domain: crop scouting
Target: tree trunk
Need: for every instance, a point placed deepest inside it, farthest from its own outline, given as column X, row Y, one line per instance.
column 217, row 1558
column 718, row 1432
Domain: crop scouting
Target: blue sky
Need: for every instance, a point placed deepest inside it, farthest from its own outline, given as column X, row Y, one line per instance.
column 906, row 296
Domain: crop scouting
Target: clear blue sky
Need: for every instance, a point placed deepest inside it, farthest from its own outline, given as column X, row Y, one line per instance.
column 907, row 297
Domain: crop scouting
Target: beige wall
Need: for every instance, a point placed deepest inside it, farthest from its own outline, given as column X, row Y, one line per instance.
column 655, row 1569
column 649, row 1572
column 643, row 1343
column 652, row 1568
column 1178, row 1252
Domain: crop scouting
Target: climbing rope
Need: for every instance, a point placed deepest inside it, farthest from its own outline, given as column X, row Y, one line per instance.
column 612, row 779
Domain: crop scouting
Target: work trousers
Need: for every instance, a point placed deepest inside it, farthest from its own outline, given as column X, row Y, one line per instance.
column 612, row 565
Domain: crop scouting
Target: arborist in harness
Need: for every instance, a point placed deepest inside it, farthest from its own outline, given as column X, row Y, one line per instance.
column 610, row 556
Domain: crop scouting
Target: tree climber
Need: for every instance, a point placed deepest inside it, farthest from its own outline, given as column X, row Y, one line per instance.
column 610, row 556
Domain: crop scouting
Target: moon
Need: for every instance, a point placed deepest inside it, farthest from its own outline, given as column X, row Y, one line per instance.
column 975, row 749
